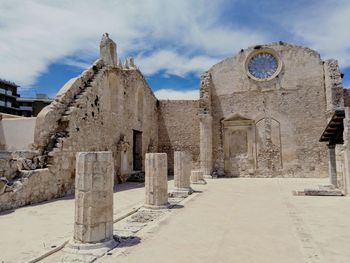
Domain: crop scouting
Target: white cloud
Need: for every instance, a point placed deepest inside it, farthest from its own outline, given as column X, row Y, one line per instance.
column 324, row 27
column 174, row 63
column 185, row 36
column 171, row 94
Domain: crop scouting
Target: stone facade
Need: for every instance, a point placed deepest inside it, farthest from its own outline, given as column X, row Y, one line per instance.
column 270, row 127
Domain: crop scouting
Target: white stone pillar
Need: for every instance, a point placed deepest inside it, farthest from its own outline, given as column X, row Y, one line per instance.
column 332, row 165
column 94, row 197
column 346, row 137
column 156, row 180
column 182, row 173
column 206, row 144
column 197, row 177
column 93, row 226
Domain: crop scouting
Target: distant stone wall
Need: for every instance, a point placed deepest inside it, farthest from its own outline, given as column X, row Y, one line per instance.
column 272, row 127
column 178, row 129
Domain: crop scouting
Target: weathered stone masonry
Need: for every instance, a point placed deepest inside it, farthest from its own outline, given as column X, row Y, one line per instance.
column 92, row 112
column 178, row 129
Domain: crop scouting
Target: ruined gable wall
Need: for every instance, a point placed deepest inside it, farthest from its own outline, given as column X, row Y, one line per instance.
column 178, row 129
column 103, row 116
column 92, row 116
column 296, row 99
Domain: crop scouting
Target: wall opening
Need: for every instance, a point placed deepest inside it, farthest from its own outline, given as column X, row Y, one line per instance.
column 137, row 150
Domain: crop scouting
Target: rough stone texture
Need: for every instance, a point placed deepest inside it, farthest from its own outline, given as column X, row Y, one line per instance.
column 334, row 87
column 280, row 117
column 197, row 177
column 346, row 93
column 8, row 166
column 182, row 173
column 156, row 180
column 178, row 129
column 32, row 187
column 332, row 165
column 206, row 144
column 346, row 146
column 340, row 167
column 108, row 51
column 94, row 197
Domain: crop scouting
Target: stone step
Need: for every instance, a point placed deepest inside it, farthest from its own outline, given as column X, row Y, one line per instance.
column 65, row 118
column 69, row 110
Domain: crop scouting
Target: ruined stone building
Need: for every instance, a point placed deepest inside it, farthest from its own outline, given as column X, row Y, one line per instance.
column 260, row 114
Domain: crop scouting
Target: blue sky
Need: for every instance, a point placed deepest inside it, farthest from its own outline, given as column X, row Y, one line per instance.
column 45, row 43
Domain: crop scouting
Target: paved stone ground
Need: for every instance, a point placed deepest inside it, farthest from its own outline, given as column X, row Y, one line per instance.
column 232, row 220
column 28, row 232
column 248, row 220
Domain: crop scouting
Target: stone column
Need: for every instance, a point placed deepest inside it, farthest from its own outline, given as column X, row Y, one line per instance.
column 197, row 177
column 346, row 137
column 156, row 180
column 182, row 173
column 332, row 165
column 93, row 226
column 206, row 144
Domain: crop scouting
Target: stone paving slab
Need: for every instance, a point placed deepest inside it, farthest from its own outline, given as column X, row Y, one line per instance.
column 31, row 231
column 248, row 221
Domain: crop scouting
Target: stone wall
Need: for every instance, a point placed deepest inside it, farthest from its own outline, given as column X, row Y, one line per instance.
column 289, row 111
column 31, row 187
column 178, row 129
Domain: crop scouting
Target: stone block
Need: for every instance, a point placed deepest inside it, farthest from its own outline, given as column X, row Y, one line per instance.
column 156, row 180
column 197, row 177
column 94, row 197
column 182, row 173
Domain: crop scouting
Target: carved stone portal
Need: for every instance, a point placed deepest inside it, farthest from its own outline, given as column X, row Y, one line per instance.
column 251, row 149
column 239, row 146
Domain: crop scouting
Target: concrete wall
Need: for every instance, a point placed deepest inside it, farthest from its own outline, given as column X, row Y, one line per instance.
column 16, row 133
column 178, row 129
column 295, row 101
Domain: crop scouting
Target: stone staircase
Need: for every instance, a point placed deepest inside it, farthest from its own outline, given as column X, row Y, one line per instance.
column 61, row 133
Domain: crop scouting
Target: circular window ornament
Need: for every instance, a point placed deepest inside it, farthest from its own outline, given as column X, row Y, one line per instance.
column 263, row 65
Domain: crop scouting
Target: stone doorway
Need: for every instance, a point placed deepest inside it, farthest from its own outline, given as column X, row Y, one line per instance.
column 137, row 150
column 239, row 146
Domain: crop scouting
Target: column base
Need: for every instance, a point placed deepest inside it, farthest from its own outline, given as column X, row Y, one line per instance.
column 181, row 192
column 208, row 176
column 200, row 181
column 156, row 207
column 92, row 249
